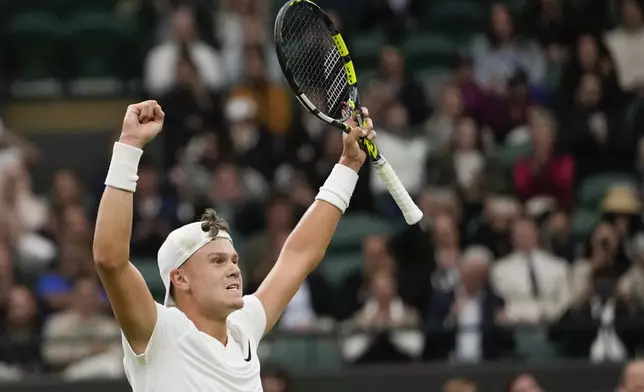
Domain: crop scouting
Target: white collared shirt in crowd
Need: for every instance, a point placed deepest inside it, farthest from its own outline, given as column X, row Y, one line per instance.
column 511, row 280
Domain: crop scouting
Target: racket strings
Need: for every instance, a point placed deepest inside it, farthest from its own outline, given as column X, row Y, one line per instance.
column 314, row 61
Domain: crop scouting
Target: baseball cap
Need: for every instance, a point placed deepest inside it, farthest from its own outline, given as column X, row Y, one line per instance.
column 177, row 249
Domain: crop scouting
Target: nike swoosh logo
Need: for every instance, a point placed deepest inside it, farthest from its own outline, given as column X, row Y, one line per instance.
column 249, row 354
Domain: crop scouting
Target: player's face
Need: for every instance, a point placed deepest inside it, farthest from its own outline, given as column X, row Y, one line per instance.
column 213, row 278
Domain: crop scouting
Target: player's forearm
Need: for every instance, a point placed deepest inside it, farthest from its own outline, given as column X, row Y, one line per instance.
column 113, row 229
column 308, row 242
column 312, row 235
column 114, row 220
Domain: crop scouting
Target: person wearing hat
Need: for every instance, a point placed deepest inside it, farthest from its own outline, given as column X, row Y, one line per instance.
column 204, row 336
column 622, row 207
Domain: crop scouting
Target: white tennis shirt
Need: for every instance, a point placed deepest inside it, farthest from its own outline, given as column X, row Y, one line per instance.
column 180, row 358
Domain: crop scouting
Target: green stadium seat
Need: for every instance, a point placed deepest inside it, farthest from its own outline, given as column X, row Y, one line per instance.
column 633, row 112
column 424, row 51
column 365, row 49
column 353, row 228
column 459, row 19
column 54, row 8
column 150, row 271
column 533, row 344
column 95, row 39
column 33, row 46
column 509, row 155
column 593, row 189
column 96, row 47
column 518, row 5
column 365, row 76
column 583, row 221
column 433, row 79
column 297, row 352
column 554, row 73
column 336, row 267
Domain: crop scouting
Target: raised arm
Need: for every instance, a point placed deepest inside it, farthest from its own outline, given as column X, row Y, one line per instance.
column 128, row 293
column 305, row 247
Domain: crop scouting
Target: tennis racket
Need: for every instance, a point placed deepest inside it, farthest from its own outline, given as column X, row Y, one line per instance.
column 316, row 63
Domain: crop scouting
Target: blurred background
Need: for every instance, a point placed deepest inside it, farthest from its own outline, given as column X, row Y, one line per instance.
column 518, row 127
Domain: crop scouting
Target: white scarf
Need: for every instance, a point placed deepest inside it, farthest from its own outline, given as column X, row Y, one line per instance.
column 607, row 346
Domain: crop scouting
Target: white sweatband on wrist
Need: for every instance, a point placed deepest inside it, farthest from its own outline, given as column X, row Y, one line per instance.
column 338, row 187
column 124, row 167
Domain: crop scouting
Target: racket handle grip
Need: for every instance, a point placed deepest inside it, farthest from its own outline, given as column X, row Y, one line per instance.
column 409, row 209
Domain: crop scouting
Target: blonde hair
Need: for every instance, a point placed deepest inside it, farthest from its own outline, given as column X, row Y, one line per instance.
column 459, row 385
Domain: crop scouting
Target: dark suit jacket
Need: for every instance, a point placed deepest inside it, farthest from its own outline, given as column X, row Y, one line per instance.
column 441, row 338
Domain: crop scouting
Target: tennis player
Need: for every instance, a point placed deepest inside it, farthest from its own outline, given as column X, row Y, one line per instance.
column 205, row 335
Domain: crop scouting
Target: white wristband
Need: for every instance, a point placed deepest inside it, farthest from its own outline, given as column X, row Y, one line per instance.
column 124, row 167
column 338, row 187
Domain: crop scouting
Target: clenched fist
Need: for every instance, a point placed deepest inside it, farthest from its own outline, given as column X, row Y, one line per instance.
column 142, row 122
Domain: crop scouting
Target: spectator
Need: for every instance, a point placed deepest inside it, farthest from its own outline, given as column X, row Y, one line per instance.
column 236, row 192
column 416, row 249
column 191, row 108
column 375, row 341
column 162, row 61
column 396, row 17
column 279, row 217
column 494, row 232
column 510, row 114
column 558, row 237
column 524, row 383
column 20, row 333
column 550, row 23
column 459, row 385
column 533, row 282
column 73, row 226
column 80, row 340
column 400, row 85
column 375, row 257
column 26, row 215
column 626, row 45
column 631, row 284
column 621, row 207
column 240, row 26
column 632, row 379
column 475, row 100
column 66, row 191
column 55, row 288
column 312, row 305
column 465, row 167
column 192, row 175
column 7, row 276
column 405, row 152
column 272, row 101
column 602, row 252
column 276, row 379
column 596, row 134
column 544, row 173
column 155, row 213
column 602, row 324
column 462, row 323
column 440, row 127
column 446, row 239
column 502, row 51
column 590, row 57
column 252, row 143
column 260, row 268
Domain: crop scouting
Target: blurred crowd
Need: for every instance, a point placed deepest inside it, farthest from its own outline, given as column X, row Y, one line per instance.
column 495, row 157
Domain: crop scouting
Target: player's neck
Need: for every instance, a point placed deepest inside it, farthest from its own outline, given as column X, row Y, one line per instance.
column 215, row 328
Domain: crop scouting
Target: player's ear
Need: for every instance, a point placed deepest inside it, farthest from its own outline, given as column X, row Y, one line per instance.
column 179, row 280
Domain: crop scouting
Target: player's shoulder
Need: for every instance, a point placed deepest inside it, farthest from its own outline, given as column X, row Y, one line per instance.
column 250, row 319
column 172, row 317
